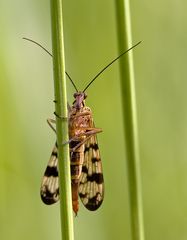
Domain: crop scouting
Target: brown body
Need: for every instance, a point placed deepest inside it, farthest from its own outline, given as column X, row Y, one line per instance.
column 78, row 124
column 86, row 169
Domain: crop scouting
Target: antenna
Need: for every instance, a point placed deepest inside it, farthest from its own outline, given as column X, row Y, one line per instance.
column 109, row 65
column 72, row 81
column 102, row 70
column 38, row 44
column 30, row 40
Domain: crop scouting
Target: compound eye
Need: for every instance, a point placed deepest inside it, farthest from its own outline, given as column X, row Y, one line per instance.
column 75, row 95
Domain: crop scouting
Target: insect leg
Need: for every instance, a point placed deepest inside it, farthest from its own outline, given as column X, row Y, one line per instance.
column 50, row 122
column 91, row 133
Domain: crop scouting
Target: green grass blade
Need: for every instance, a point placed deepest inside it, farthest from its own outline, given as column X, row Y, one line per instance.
column 61, row 123
column 130, row 121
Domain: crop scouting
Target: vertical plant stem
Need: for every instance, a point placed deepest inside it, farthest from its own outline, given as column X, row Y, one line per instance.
column 62, row 120
column 130, row 121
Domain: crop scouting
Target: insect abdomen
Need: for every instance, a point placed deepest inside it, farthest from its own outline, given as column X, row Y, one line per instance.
column 77, row 158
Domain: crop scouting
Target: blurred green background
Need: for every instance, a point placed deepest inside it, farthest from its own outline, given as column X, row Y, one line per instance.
column 26, row 98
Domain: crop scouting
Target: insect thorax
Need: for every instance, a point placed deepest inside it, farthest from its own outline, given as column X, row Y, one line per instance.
column 80, row 118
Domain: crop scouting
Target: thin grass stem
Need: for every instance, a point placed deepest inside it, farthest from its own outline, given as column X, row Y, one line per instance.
column 61, row 120
column 130, row 119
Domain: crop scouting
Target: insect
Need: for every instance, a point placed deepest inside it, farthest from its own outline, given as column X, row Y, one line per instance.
column 86, row 168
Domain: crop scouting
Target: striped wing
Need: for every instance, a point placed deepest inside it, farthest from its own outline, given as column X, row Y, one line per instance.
column 91, row 185
column 50, row 187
